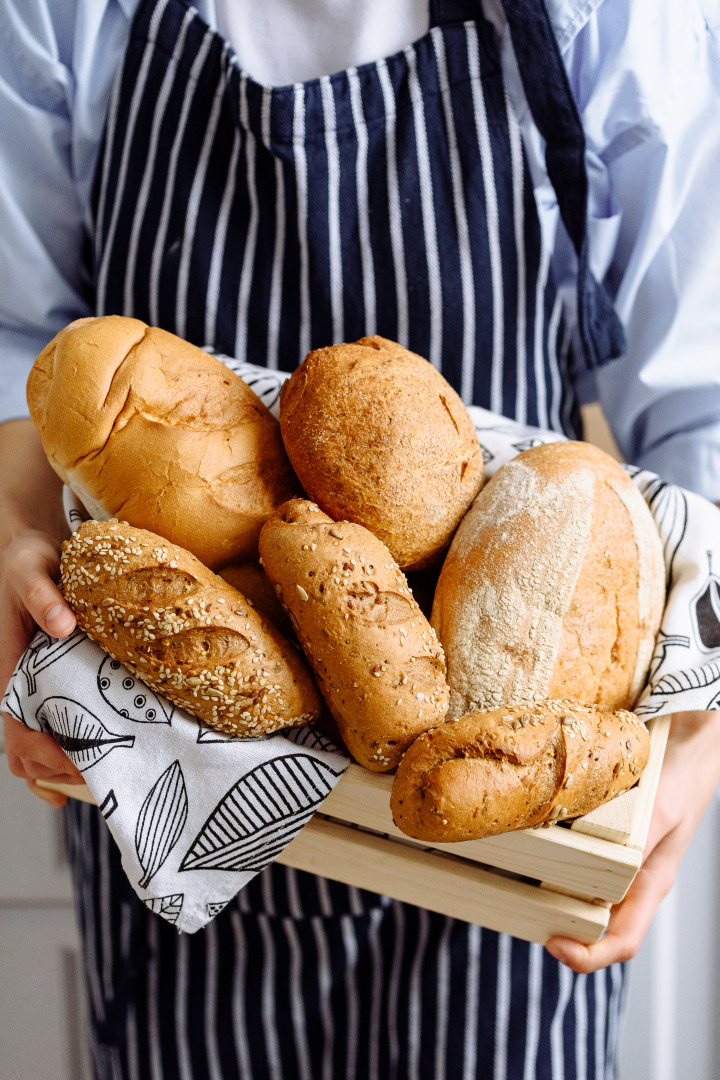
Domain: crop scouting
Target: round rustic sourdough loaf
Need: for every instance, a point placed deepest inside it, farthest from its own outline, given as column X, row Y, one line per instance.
column 516, row 767
column 376, row 658
column 554, row 585
column 377, row 436
column 184, row 631
column 144, row 426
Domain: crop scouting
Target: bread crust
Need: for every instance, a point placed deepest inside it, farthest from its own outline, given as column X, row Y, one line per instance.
column 146, row 427
column 184, row 631
column 378, row 663
column 514, row 768
column 377, row 436
column 554, row 585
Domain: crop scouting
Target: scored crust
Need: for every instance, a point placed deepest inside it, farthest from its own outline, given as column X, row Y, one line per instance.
column 142, row 425
column 378, row 662
column 514, row 768
column 184, row 631
column 377, row 436
column 554, row 585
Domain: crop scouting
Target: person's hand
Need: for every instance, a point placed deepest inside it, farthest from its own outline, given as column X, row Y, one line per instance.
column 33, row 756
column 688, row 779
column 31, row 527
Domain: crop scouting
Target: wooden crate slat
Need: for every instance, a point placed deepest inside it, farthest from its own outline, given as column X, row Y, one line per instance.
column 588, row 867
column 441, row 883
column 626, row 819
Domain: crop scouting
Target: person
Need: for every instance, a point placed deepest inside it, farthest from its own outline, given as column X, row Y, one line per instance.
column 477, row 181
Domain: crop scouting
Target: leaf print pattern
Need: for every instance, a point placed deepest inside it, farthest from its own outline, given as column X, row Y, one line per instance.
column 44, row 651
column 311, row 737
column 260, row 814
column 130, row 697
column 167, row 906
column 161, row 821
column 78, row 732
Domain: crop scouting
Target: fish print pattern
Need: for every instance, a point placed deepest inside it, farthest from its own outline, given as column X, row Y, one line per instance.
column 260, row 814
column 705, row 610
column 130, row 697
column 77, row 731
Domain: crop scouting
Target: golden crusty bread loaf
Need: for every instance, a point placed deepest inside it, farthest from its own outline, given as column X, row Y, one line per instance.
column 515, row 767
column 184, row 631
column 377, row 436
column 250, row 579
column 143, row 426
column 554, row 585
column 377, row 660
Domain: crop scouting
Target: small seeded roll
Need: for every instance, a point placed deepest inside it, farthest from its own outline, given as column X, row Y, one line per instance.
column 377, row 436
column 184, row 631
column 515, row 767
column 377, row 660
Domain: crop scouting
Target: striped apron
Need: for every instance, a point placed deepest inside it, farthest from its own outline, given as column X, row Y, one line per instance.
column 391, row 198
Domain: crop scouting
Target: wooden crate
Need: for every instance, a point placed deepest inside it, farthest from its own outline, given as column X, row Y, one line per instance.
column 558, row 879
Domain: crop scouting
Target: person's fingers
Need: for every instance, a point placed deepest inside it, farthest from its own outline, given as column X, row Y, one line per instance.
column 34, row 755
column 30, row 569
column 630, row 920
column 53, row 798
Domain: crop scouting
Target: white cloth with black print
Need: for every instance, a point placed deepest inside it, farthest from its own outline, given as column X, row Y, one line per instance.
column 197, row 813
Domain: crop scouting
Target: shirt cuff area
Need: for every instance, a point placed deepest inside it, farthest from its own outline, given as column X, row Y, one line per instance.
column 18, row 352
column 689, row 459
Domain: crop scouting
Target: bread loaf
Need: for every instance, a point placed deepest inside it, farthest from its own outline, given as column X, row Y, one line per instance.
column 143, row 426
column 377, row 660
column 515, row 767
column 377, row 436
column 554, row 585
column 250, row 579
column 183, row 631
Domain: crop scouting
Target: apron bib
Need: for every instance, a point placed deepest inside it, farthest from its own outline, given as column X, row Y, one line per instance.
column 392, row 198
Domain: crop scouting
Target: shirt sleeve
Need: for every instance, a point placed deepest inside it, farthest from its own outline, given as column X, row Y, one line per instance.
column 647, row 83
column 54, row 87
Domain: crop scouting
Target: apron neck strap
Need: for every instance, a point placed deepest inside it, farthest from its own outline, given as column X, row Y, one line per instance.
column 555, row 113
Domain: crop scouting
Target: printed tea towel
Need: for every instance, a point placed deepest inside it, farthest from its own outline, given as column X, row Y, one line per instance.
column 197, row 813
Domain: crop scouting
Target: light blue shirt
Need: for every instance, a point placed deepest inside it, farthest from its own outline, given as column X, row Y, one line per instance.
column 646, row 76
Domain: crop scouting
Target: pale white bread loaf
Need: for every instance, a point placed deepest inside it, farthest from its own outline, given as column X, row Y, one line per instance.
column 377, row 436
column 515, row 767
column 377, row 660
column 144, row 426
column 184, row 631
column 554, row 585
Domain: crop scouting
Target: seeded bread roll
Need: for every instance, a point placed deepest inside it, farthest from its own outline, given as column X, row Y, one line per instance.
column 377, row 661
column 143, row 426
column 184, row 631
column 554, row 585
column 377, row 436
column 515, row 767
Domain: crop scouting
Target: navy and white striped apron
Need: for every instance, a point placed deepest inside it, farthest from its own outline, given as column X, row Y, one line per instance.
column 393, row 198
